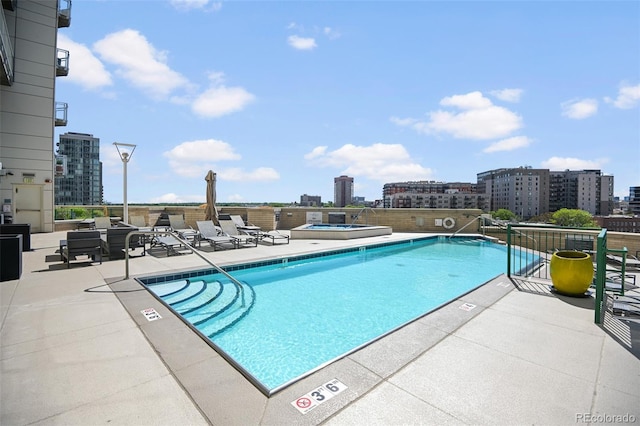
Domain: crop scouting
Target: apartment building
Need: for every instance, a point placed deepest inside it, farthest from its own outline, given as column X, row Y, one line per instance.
column 634, row 200
column 78, row 179
column 30, row 63
column 587, row 190
column 310, row 200
column 342, row 191
column 434, row 195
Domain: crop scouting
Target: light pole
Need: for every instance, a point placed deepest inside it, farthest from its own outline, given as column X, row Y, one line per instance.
column 125, row 156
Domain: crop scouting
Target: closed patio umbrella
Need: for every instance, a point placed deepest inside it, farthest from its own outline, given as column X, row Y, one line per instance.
column 211, row 212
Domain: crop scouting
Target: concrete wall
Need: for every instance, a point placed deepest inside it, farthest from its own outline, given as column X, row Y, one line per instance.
column 28, row 106
column 401, row 220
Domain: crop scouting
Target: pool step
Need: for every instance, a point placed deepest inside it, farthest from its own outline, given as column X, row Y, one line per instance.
column 167, row 288
column 230, row 316
column 192, row 290
column 226, row 298
column 200, row 300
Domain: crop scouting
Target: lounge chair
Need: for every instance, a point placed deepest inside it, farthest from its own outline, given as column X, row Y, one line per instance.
column 255, row 230
column 178, row 225
column 80, row 243
column 169, row 243
column 209, row 233
column 630, row 262
column 138, row 222
column 273, row 236
column 242, row 239
column 101, row 223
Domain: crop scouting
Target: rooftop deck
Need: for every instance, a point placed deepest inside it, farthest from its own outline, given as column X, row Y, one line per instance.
column 76, row 349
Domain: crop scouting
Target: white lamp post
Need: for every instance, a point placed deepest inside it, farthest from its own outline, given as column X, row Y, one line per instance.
column 125, row 150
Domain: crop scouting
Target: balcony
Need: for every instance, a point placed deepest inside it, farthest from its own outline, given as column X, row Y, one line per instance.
column 6, row 52
column 9, row 4
column 61, row 114
column 64, row 14
column 62, row 63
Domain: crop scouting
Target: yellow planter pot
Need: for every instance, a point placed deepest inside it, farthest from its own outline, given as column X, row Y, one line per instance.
column 571, row 272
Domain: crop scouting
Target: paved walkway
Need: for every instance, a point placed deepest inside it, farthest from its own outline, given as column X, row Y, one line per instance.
column 75, row 349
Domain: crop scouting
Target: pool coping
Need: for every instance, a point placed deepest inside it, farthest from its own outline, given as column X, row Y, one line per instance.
column 228, row 397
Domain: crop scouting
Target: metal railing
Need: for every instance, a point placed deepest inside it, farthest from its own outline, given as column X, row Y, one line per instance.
column 543, row 241
column 186, row 244
column 366, row 212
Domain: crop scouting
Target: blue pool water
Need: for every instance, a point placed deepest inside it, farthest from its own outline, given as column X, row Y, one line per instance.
column 296, row 315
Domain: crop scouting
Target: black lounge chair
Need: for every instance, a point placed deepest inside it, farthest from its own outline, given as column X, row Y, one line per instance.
column 80, row 243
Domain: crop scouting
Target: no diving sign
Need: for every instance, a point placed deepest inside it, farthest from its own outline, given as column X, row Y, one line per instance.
column 150, row 314
column 311, row 400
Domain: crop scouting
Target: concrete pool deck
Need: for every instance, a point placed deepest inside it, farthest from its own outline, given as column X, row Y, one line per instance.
column 76, row 349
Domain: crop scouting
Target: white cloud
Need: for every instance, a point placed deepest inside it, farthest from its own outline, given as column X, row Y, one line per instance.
column 569, row 163
column 579, row 109
column 261, row 174
column 331, row 33
column 140, row 63
column 202, row 150
column 302, row 43
column 196, row 4
column 194, row 159
column 84, row 68
column 379, row 162
column 628, row 97
column 479, row 119
column 473, row 100
column 221, row 100
column 508, row 144
column 404, row 122
column 508, row 95
column 316, row 152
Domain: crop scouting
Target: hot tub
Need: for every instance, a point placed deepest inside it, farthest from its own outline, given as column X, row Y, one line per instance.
column 337, row 231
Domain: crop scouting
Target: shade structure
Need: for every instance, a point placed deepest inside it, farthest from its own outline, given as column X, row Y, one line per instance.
column 211, row 212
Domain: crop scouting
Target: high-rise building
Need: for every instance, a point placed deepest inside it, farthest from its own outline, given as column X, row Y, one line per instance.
column 78, row 178
column 587, row 190
column 29, row 64
column 634, row 200
column 523, row 190
column 342, row 191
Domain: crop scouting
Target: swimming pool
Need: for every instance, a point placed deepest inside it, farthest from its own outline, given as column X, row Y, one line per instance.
column 298, row 314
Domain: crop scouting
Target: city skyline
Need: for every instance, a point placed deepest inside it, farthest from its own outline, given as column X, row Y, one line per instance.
column 280, row 98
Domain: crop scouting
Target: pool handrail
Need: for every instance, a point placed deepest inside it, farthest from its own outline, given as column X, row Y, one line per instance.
column 186, row 244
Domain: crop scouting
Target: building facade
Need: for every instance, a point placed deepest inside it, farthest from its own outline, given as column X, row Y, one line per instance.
column 30, row 62
column 78, row 179
column 342, row 191
column 634, row 200
column 432, row 194
column 587, row 190
column 310, row 201
column 523, row 190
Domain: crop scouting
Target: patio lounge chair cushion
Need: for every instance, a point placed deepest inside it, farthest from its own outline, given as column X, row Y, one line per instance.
column 209, row 233
column 102, row 222
column 243, row 227
column 230, row 229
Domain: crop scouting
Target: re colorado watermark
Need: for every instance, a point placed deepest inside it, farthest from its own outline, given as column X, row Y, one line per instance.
column 605, row 418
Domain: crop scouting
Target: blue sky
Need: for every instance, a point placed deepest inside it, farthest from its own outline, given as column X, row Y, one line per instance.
column 278, row 98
